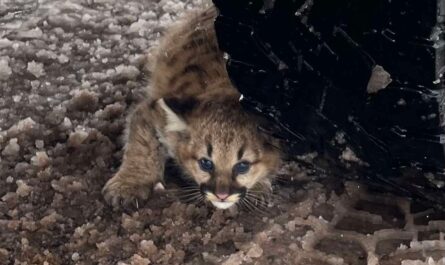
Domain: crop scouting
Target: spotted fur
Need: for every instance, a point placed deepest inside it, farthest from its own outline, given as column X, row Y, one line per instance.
column 192, row 112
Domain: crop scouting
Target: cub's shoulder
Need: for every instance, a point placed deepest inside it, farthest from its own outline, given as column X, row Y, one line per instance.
column 188, row 61
column 193, row 27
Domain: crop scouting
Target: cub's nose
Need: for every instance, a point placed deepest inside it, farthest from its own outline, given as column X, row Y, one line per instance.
column 222, row 195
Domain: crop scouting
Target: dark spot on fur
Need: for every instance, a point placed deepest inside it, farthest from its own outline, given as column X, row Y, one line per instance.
column 183, row 86
column 209, row 149
column 240, row 152
column 173, row 60
column 195, row 69
column 151, row 104
column 217, row 57
column 195, row 43
column 181, row 106
column 214, row 49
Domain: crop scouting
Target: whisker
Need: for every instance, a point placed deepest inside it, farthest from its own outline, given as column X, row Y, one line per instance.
column 185, row 189
column 189, row 196
column 185, row 196
column 259, row 204
column 196, row 201
column 268, row 193
column 246, row 206
column 249, row 205
column 192, row 199
column 179, row 193
column 263, row 195
column 200, row 200
column 256, row 196
column 284, row 178
column 258, row 212
column 187, row 192
column 190, row 188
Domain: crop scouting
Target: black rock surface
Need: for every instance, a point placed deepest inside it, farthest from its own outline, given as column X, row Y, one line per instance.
column 307, row 65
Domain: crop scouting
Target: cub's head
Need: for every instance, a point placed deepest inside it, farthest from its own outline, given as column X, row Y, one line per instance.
column 219, row 146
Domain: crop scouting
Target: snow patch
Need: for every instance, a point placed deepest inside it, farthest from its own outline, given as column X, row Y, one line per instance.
column 5, row 70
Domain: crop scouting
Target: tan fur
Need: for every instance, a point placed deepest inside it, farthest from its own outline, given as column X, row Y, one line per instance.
column 192, row 107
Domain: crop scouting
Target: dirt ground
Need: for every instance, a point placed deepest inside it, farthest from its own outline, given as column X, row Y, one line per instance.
column 69, row 73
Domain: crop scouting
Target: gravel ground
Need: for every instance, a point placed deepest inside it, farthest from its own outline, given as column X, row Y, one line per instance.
column 69, row 73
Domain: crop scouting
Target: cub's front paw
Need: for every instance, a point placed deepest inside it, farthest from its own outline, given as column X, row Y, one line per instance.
column 123, row 192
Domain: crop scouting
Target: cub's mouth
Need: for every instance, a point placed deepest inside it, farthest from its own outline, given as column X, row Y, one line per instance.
column 223, row 199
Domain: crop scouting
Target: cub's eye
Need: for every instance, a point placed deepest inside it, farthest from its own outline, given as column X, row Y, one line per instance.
column 242, row 167
column 205, row 164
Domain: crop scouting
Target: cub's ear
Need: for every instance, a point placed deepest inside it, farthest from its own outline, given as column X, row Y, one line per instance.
column 176, row 110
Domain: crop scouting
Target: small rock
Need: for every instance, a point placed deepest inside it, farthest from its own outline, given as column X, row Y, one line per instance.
column 5, row 70
column 77, row 137
column 31, row 34
column 40, row 144
column 4, row 255
column 148, row 247
column 75, row 256
column 138, row 260
column 50, row 219
column 139, row 27
column 41, row 159
column 290, row 226
column 21, row 167
column 255, row 251
column 12, row 149
column 84, row 100
column 234, row 259
column 23, row 126
column 379, row 80
column 129, row 72
column 17, row 98
column 23, row 190
column 67, row 124
column 63, row 59
column 4, row 43
column 36, row 69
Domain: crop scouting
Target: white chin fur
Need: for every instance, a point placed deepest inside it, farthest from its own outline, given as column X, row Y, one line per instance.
column 222, row 205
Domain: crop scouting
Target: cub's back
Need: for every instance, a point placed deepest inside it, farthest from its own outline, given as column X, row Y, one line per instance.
column 188, row 62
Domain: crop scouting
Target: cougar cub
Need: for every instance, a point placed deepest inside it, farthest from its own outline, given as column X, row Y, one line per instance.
column 192, row 114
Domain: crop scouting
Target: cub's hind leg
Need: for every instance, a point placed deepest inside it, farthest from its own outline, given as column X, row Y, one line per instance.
column 143, row 162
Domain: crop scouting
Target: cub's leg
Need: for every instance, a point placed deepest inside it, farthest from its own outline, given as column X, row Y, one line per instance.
column 143, row 161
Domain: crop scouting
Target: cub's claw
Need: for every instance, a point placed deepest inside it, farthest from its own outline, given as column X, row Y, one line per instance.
column 122, row 192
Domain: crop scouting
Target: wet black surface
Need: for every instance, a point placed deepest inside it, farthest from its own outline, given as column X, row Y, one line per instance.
column 307, row 64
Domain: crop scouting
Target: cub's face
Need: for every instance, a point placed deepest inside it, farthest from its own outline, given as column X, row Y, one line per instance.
column 219, row 147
